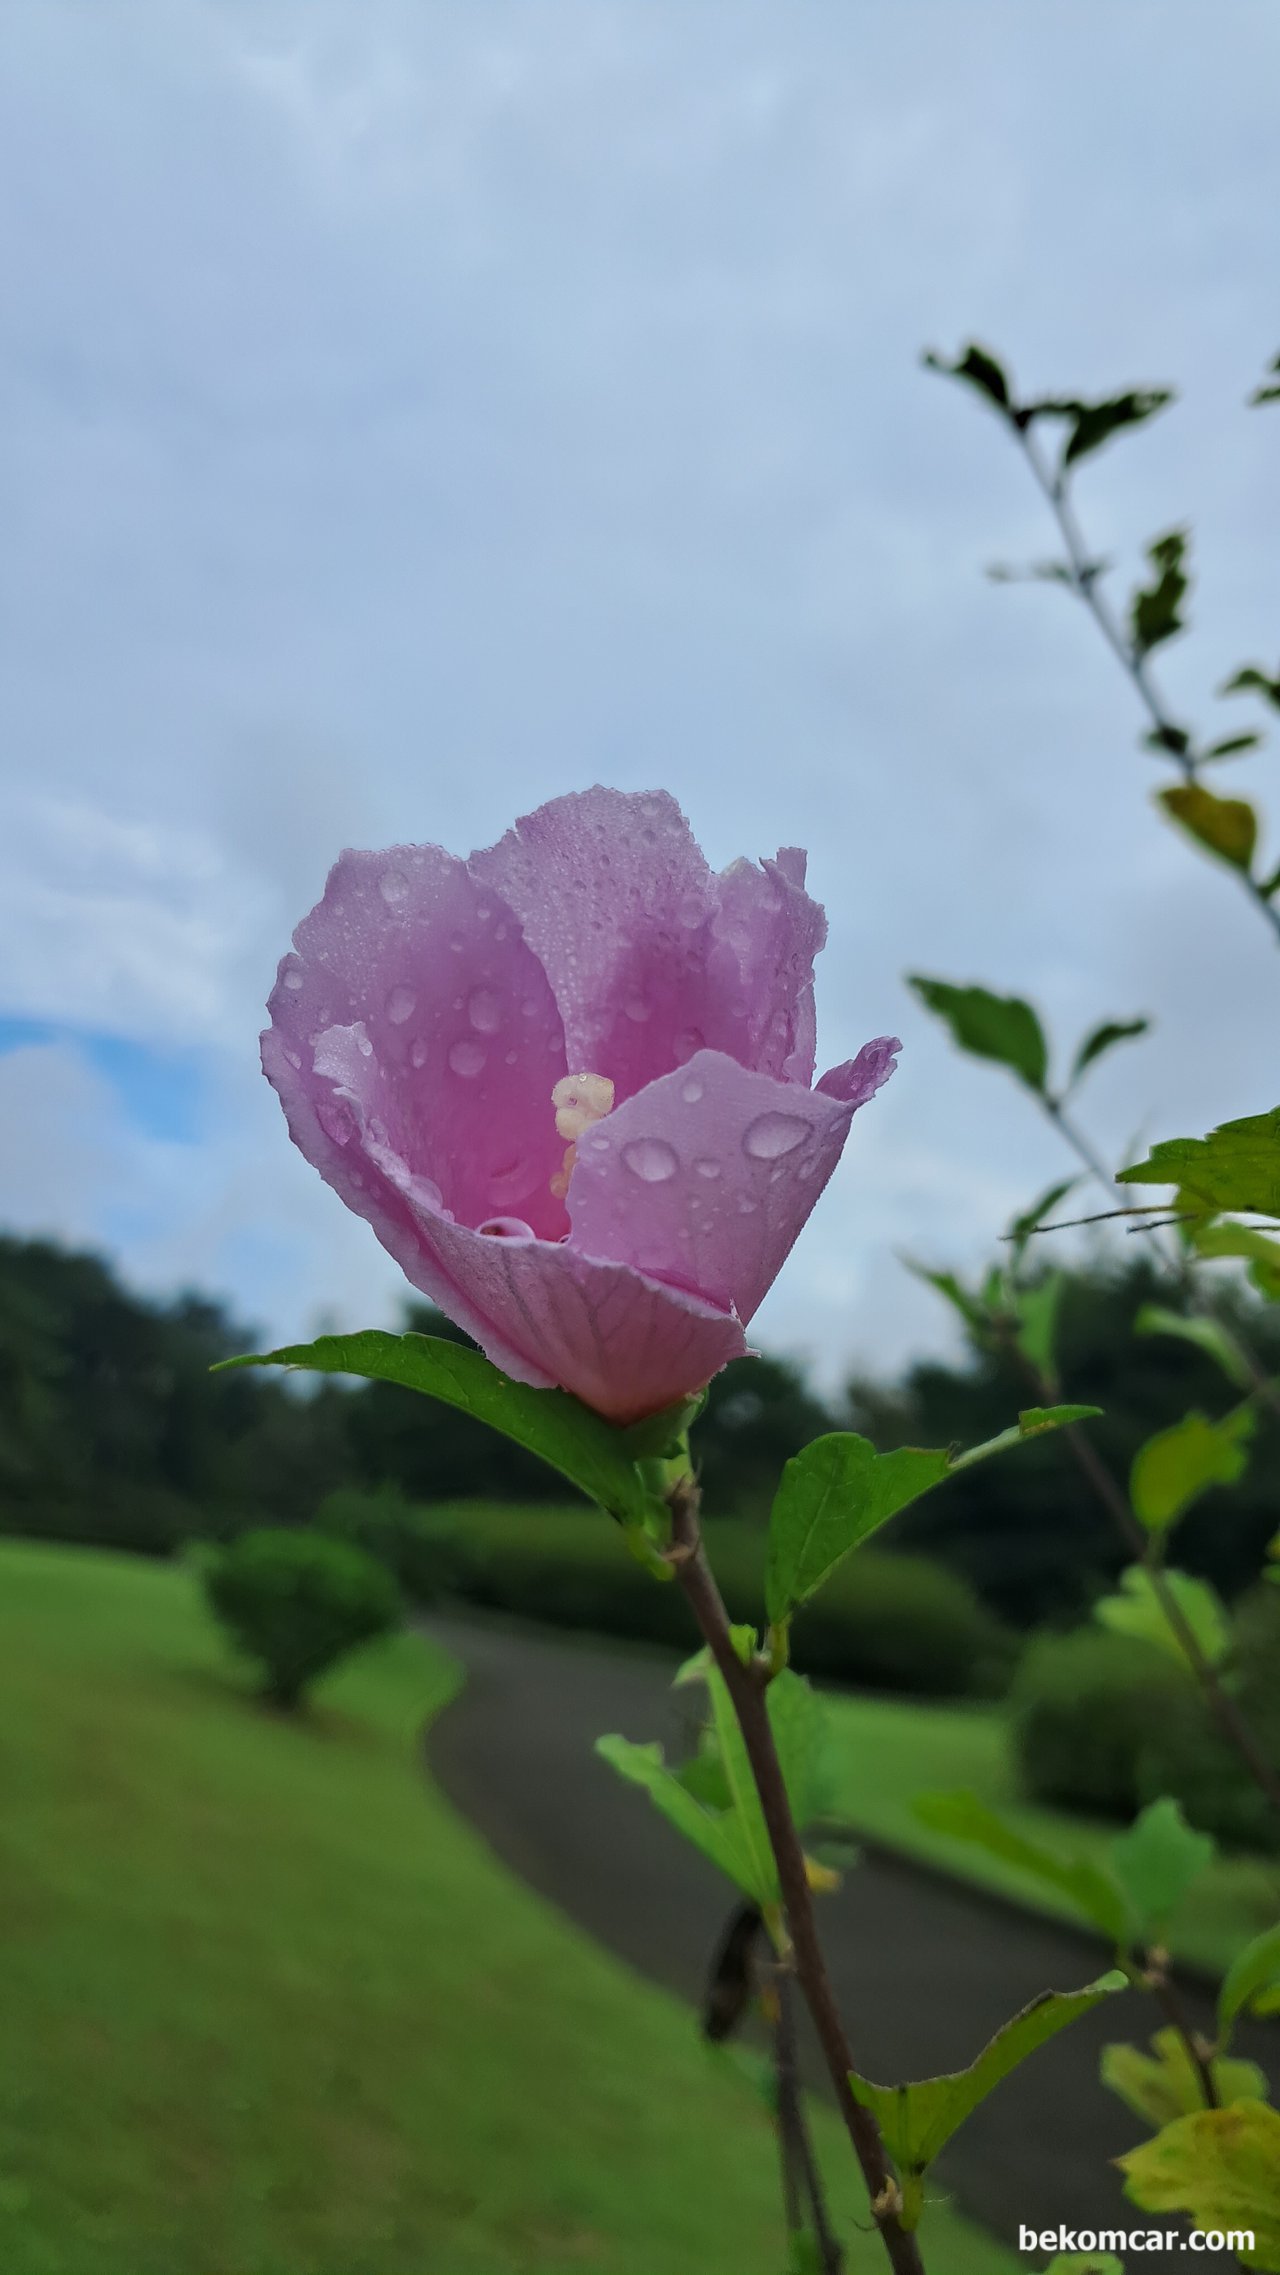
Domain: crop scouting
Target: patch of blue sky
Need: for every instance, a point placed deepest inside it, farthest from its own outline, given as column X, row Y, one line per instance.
column 164, row 1092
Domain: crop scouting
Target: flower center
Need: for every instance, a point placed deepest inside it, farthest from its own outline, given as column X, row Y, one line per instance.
column 579, row 1100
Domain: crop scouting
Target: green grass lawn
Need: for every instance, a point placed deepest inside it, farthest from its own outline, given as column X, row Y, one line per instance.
column 270, row 2009
column 887, row 1752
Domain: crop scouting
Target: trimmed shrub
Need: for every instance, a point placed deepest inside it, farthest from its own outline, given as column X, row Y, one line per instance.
column 297, row 1602
column 430, row 1559
column 899, row 1623
column 1088, row 1710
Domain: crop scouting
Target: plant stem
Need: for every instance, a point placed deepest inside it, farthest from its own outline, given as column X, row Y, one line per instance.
column 1083, row 581
column 746, row 1687
column 799, row 2164
column 1156, row 1980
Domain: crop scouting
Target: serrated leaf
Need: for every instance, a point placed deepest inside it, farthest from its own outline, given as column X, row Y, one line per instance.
column 1236, row 1167
column 1177, row 1465
column 1103, row 1038
column 550, row 1423
column 1227, row 827
column 1023, row 1226
column 838, row 1491
column 978, row 367
column 999, row 1027
column 1164, row 2085
column 833, row 1495
column 1036, row 1336
column 1253, row 1973
column 1097, row 422
column 916, row 2121
column 1135, row 1610
column 718, row 1834
column 1088, row 1888
column 1209, row 1336
column 1222, row 2166
column 1156, row 1861
column 1156, row 609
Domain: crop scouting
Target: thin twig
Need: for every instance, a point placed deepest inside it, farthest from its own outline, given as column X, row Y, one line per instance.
column 800, row 2165
column 1155, row 1978
column 746, row 1688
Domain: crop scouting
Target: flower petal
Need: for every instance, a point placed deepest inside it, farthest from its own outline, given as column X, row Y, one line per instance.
column 462, row 1037
column 859, row 1079
column 705, row 1179
column 775, row 931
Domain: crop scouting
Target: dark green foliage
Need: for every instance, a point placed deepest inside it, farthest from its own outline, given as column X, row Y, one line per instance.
column 1029, row 1533
column 1155, row 613
column 896, row 1623
column 1101, row 1722
column 297, row 1602
column 426, row 1557
column 1088, row 1710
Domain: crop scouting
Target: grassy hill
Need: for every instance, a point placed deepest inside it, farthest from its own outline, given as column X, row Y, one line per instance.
column 270, row 2009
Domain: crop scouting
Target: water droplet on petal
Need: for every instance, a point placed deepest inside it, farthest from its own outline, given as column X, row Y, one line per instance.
column 363, row 1044
column 746, row 1207
column 499, row 932
column 336, row 1120
column 686, row 1043
column 484, row 912
column 401, row 1005
column 598, row 1144
column 484, row 1010
column 650, row 1159
column 466, row 1058
column 636, row 1008
column 294, row 1057
column 510, row 1058
column 394, row 887
column 707, row 1168
column 293, row 977
column 772, row 1135
column 508, row 1228
column 418, row 1053
column 456, row 943
column 691, row 1091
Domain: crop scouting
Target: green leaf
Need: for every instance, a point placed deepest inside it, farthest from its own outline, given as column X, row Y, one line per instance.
column 1251, row 680
column 1269, row 391
column 549, row 1423
column 832, row 1496
column 1000, row 1027
column 1222, row 2166
column 972, row 1309
column 838, row 1491
column 1231, row 746
column 1165, row 2085
column 1227, row 827
column 719, row 1834
column 1087, row 1887
column 979, row 368
column 1038, row 1309
column 802, row 1734
column 1156, row 609
column 1236, row 1167
column 1156, row 1861
column 1097, row 422
column 1253, row 1972
column 1136, row 1610
column 1103, row 1038
column 916, row 2121
column 1209, row 1335
column 1023, row 1226
column 1177, row 1465
column 1242, row 1240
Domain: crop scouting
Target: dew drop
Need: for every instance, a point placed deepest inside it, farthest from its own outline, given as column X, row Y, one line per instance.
column 484, row 912
column 510, row 1058
column 598, row 1144
column 394, row 887
column 456, row 943
column 418, row 1053
column 691, row 1091
column 484, row 1010
column 636, row 1008
column 466, row 1058
column 294, row 1057
column 707, row 1168
column 651, row 1160
column 401, row 1005
column 772, row 1135
column 686, row 1043
column 293, row 977
column 746, row 1207
column 363, row 1044
column 336, row 1120
column 499, row 932
column 509, row 1180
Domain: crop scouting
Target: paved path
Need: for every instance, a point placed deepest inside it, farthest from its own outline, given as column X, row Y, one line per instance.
column 924, row 1969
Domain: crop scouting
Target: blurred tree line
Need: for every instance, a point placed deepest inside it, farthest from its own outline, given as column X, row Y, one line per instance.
column 113, row 1430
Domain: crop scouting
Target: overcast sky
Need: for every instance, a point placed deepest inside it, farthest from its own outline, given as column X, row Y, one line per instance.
column 409, row 412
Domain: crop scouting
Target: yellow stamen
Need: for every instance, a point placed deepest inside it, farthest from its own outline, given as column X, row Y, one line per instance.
column 579, row 1100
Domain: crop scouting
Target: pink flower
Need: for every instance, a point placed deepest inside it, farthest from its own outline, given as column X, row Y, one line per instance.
column 568, row 1084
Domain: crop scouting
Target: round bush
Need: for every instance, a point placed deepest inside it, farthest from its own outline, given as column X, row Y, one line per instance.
column 297, row 1602
column 1092, row 1715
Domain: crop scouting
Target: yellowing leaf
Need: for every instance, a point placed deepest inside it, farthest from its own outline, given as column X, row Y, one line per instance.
column 1222, row 2166
column 1165, row 2084
column 1227, row 827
